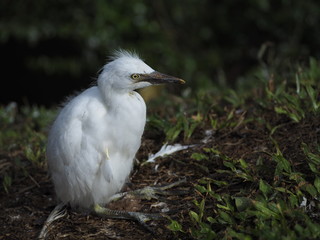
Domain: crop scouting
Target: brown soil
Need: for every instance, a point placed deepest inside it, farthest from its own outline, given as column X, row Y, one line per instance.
column 31, row 197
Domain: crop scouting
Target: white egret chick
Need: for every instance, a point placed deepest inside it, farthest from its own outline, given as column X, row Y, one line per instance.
column 94, row 139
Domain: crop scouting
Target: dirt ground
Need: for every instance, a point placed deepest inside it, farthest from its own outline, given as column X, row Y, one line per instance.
column 31, row 198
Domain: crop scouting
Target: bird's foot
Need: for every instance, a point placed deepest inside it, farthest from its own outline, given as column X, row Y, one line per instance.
column 140, row 217
column 143, row 218
column 154, row 192
column 144, row 193
column 149, row 193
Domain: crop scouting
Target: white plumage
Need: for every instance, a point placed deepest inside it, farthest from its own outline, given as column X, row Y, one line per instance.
column 94, row 139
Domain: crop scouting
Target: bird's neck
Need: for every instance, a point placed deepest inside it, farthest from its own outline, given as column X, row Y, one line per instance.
column 113, row 98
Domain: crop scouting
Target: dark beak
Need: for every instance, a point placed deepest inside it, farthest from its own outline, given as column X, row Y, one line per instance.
column 158, row 78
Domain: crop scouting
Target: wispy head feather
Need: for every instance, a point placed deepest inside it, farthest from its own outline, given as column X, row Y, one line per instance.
column 119, row 54
column 123, row 53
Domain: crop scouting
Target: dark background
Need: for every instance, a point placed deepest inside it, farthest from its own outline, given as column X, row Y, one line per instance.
column 51, row 48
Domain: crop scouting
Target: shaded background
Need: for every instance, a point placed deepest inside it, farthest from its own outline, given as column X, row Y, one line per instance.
column 51, row 48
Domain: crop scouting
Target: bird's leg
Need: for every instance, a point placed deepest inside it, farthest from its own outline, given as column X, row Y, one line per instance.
column 140, row 217
column 146, row 193
column 151, row 192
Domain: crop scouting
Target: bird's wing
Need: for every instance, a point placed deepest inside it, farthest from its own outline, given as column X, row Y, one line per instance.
column 74, row 146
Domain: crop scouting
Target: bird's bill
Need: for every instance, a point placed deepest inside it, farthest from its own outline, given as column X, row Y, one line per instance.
column 158, row 78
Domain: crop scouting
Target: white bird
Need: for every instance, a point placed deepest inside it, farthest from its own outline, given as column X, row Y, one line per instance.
column 93, row 141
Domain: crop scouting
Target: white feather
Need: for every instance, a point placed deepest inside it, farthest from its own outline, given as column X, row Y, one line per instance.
column 94, row 139
column 167, row 150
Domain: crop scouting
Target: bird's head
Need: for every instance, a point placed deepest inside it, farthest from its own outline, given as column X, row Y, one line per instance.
column 127, row 72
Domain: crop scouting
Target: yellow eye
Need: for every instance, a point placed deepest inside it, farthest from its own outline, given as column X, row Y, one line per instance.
column 135, row 76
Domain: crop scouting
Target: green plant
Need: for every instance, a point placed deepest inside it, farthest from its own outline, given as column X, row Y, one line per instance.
column 22, row 137
column 183, row 124
column 305, row 98
column 267, row 210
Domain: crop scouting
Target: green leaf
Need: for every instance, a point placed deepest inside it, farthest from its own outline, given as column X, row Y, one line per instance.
column 261, row 207
column 299, row 229
column 237, row 235
column 311, row 190
column 283, row 164
column 226, row 217
column 211, row 220
column 223, row 207
column 313, row 97
column 313, row 227
column 314, row 158
column 202, row 205
column 280, row 110
column 212, row 150
column 282, row 189
column 243, row 164
column 314, row 168
column 201, row 208
column 242, row 203
column 194, row 216
column 265, row 188
column 229, row 165
column 205, row 232
column 199, row 156
column 317, row 184
column 175, row 226
column 220, row 183
column 293, row 200
column 201, row 189
column 292, row 113
column 191, row 129
column 173, row 133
